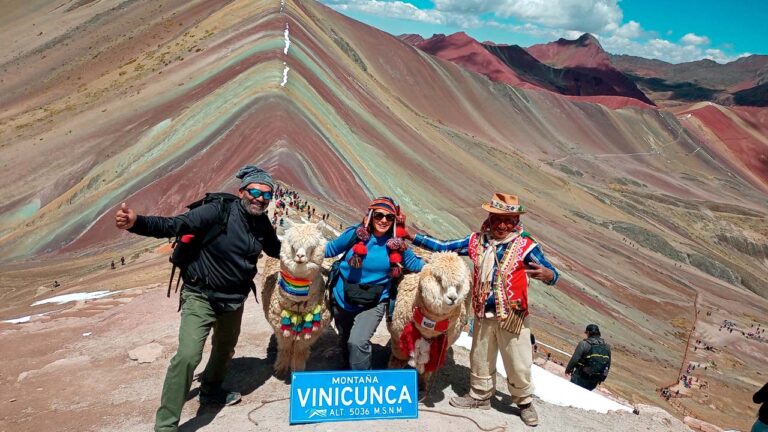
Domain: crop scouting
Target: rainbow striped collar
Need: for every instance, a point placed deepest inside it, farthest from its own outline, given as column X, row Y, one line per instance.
column 294, row 286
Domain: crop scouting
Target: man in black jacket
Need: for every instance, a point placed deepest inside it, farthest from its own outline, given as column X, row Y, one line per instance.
column 216, row 285
column 591, row 361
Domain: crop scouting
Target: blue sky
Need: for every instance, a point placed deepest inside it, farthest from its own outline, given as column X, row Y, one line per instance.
column 671, row 30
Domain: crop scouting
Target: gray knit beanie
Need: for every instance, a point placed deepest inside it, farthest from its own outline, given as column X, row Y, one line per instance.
column 253, row 174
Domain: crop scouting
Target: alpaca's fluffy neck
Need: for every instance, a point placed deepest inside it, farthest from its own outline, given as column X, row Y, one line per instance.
column 445, row 312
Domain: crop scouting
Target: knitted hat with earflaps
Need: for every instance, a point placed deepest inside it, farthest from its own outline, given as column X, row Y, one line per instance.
column 395, row 245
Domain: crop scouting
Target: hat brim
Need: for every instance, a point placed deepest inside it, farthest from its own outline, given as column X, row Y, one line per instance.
column 487, row 207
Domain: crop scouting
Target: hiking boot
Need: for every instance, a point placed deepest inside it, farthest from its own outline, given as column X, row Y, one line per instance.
column 528, row 414
column 468, row 402
column 220, row 397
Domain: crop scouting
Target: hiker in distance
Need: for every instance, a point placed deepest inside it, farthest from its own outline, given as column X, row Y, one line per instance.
column 361, row 281
column 591, row 361
column 505, row 257
column 217, row 281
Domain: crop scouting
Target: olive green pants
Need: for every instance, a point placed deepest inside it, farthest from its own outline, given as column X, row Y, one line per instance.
column 197, row 320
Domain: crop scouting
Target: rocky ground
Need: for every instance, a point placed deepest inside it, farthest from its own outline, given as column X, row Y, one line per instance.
column 71, row 370
column 99, row 364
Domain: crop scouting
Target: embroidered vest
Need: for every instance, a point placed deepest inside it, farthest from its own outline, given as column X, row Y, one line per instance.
column 510, row 282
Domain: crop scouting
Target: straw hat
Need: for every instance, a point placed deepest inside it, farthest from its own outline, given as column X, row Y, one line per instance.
column 502, row 203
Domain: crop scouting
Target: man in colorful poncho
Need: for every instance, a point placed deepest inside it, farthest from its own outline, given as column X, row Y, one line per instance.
column 505, row 257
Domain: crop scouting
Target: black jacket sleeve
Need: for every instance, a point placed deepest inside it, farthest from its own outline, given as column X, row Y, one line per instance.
column 271, row 243
column 581, row 349
column 198, row 219
column 761, row 396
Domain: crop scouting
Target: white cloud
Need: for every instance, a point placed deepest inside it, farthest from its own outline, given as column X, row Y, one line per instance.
column 693, row 39
column 579, row 15
column 719, row 56
column 571, row 34
column 630, row 30
column 407, row 11
column 663, row 49
column 547, row 21
column 396, row 9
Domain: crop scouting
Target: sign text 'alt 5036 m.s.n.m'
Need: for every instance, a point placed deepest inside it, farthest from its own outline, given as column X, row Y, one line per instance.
column 353, row 395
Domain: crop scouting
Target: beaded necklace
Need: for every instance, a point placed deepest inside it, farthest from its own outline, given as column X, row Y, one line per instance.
column 299, row 323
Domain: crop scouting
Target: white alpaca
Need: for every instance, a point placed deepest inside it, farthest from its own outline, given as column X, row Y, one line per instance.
column 294, row 298
column 431, row 308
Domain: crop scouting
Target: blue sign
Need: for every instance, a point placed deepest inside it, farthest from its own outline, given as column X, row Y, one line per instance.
column 353, row 395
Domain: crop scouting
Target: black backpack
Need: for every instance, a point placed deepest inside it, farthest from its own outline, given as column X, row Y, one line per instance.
column 597, row 362
column 187, row 247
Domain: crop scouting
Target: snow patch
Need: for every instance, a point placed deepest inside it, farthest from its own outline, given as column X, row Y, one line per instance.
column 18, row 320
column 28, row 318
column 285, row 75
column 66, row 298
column 557, row 390
column 553, row 348
column 286, row 37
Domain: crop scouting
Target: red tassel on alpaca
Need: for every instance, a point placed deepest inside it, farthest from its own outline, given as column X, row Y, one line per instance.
column 408, row 338
column 438, row 349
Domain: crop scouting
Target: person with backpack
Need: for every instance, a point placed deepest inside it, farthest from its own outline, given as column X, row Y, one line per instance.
column 505, row 258
column 222, row 237
column 361, row 282
column 591, row 361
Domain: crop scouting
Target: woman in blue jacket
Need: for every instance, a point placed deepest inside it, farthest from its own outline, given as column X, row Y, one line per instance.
column 373, row 256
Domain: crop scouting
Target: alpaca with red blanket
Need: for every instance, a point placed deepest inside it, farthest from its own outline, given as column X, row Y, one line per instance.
column 430, row 310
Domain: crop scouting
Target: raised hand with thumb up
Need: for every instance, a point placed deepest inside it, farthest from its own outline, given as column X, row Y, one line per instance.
column 125, row 217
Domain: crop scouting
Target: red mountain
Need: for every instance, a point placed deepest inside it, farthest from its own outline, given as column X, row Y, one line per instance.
column 513, row 65
column 584, row 52
column 411, row 39
column 470, row 54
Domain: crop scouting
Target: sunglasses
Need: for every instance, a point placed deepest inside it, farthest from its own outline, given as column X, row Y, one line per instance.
column 388, row 216
column 255, row 193
column 496, row 220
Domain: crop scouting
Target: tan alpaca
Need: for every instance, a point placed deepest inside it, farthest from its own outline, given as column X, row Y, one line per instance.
column 440, row 291
column 301, row 257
